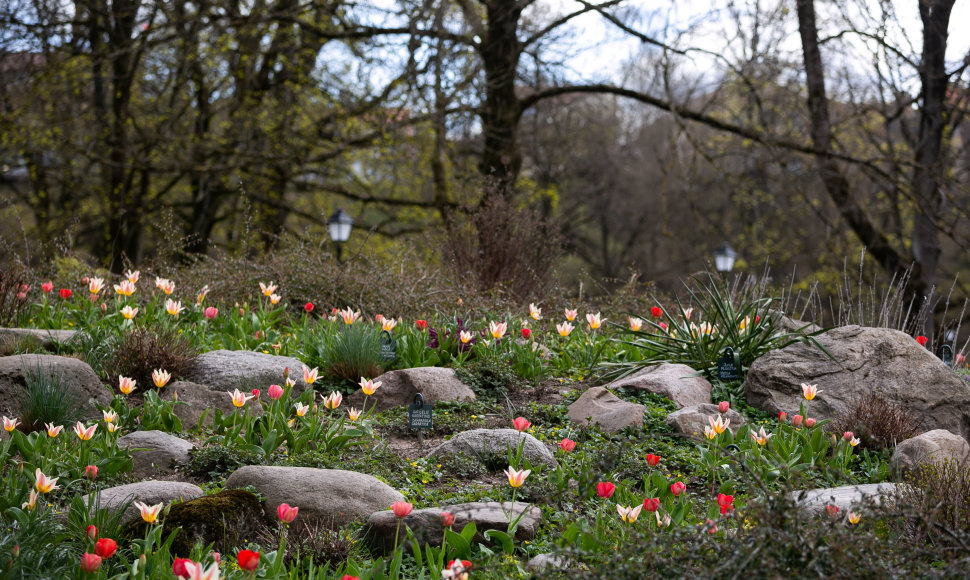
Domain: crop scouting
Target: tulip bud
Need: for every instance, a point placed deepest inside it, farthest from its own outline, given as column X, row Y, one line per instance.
column 91, row 472
column 92, row 533
column 810, row 422
column 447, row 519
column 796, row 421
column 782, row 416
column 90, row 563
column 848, row 435
column 16, row 551
column 104, row 307
column 723, row 407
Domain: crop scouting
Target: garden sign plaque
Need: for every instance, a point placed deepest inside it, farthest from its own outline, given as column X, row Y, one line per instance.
column 945, row 352
column 727, row 368
column 388, row 349
column 419, row 416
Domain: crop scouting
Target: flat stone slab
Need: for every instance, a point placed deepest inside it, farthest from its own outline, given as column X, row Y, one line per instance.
column 426, row 526
column 329, row 497
column 225, row 370
column 676, row 382
column 155, row 451
column 484, row 443
column 600, row 407
column 399, row 387
column 149, row 492
column 46, row 338
column 846, row 497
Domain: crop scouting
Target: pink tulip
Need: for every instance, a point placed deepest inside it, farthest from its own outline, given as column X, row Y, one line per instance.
column 275, row 392
column 287, row 513
column 211, row 312
column 521, row 424
column 678, row 488
column 810, row 422
column 567, row 445
column 723, row 407
column 401, row 508
column 796, row 421
column 90, row 563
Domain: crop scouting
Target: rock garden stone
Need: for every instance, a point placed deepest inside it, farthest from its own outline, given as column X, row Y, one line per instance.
column 43, row 337
column 399, row 387
column 541, row 562
column 601, row 407
column 153, row 452
column 198, row 399
column 225, row 370
column 81, row 382
column 691, row 420
column 879, row 360
column 426, row 525
column 327, row 497
column 935, row 446
column 484, row 444
column 678, row 383
column 149, row 492
column 813, row 501
column 227, row 519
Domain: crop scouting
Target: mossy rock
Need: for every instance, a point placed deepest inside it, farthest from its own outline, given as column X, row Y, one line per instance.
column 227, row 519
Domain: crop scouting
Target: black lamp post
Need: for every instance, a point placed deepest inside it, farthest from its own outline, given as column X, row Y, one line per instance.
column 339, row 226
column 724, row 258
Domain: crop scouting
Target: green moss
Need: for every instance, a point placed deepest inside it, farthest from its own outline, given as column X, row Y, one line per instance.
column 226, row 519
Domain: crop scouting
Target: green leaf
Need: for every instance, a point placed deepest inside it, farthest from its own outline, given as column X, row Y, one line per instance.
column 502, row 538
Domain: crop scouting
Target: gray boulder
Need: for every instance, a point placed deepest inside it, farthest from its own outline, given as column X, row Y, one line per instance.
column 225, row 370
column 484, row 443
column 43, row 337
column 153, row 452
column 882, row 360
column 676, row 382
column 548, row 561
column 81, row 382
column 399, row 387
column 195, row 399
column 935, row 446
column 426, row 526
column 328, row 497
column 149, row 492
column 601, row 407
column 691, row 420
column 846, row 497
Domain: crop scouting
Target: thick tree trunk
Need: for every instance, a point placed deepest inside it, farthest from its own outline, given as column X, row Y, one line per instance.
column 835, row 181
column 500, row 50
column 929, row 167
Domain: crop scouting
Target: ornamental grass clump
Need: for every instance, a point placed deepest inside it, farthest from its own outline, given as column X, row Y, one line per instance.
column 46, row 398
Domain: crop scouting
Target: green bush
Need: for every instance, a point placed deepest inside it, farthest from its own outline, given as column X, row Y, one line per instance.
column 218, row 461
column 489, row 377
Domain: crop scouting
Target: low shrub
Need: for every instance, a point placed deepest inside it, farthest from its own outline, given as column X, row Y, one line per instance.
column 878, row 423
column 145, row 349
column 216, row 462
column 941, row 491
column 489, row 377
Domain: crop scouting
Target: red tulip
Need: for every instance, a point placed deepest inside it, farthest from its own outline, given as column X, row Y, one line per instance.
column 178, row 567
column 65, row 294
column 47, row 287
column 723, row 407
column 656, row 312
column 921, row 340
column 605, row 489
column 91, row 472
column 255, row 393
column 420, row 324
column 567, row 445
column 526, row 333
column 651, row 504
column 652, row 460
column 105, row 547
column 677, row 488
column 90, row 563
column 308, row 307
column 782, row 416
column 832, row 510
column 349, row 577
column 401, row 508
column 91, row 532
column 521, row 424
column 248, row 560
column 725, row 502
